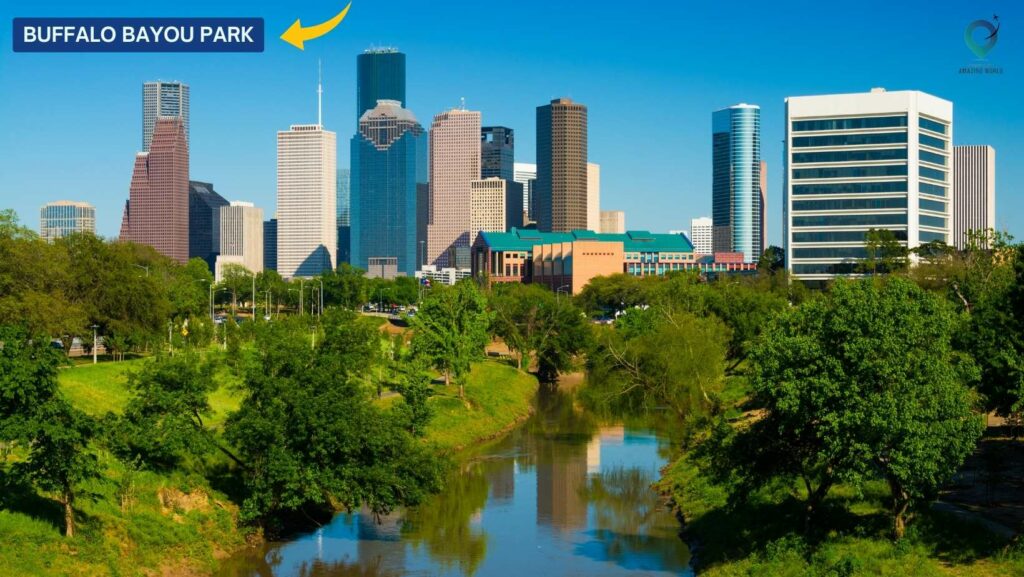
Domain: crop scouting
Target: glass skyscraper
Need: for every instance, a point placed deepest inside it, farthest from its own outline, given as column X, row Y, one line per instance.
column 380, row 75
column 736, row 180
column 389, row 173
column 204, row 206
column 497, row 152
column 344, row 214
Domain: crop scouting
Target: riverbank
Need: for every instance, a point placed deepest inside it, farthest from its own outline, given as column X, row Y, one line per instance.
column 177, row 524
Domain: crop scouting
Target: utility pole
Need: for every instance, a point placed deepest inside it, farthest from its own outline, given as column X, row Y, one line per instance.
column 95, row 343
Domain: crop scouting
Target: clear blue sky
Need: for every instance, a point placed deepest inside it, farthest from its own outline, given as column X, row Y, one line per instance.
column 650, row 72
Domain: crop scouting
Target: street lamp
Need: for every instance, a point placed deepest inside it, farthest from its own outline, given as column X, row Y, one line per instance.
column 558, row 291
column 95, row 344
column 145, row 268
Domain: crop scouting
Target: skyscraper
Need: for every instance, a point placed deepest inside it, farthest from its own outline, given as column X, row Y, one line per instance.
column 389, row 174
column 701, row 235
column 64, row 217
column 736, row 180
column 593, row 197
column 157, row 209
column 307, row 196
column 526, row 175
column 860, row 161
column 380, row 75
column 204, row 222
column 454, row 165
column 270, row 244
column 497, row 152
column 613, row 222
column 487, row 206
column 974, row 191
column 344, row 215
column 560, row 192
column 169, row 99
column 241, row 234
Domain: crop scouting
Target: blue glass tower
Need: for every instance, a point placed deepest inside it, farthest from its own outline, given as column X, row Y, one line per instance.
column 736, row 181
column 389, row 171
column 380, row 75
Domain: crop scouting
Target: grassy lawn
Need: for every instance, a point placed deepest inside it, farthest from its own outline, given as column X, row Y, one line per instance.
column 497, row 397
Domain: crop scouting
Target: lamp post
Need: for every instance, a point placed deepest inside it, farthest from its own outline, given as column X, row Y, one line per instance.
column 145, row 268
column 558, row 291
column 321, row 311
column 95, row 344
column 267, row 302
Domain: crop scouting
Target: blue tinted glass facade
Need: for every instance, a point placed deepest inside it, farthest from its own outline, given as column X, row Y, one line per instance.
column 270, row 244
column 497, row 152
column 204, row 222
column 736, row 181
column 387, row 178
column 380, row 75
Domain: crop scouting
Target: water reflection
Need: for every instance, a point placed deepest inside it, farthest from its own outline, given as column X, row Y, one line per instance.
column 563, row 495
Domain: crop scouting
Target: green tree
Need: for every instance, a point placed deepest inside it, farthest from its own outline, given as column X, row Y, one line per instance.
column 517, row 309
column 863, row 382
column 345, row 287
column 238, row 280
column 450, row 330
column 884, row 253
column 562, row 333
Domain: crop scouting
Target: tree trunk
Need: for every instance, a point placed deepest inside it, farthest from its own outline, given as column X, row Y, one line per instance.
column 67, row 500
column 900, row 503
column 462, row 391
column 447, row 378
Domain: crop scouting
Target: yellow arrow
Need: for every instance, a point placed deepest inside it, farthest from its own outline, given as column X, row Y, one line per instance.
column 297, row 34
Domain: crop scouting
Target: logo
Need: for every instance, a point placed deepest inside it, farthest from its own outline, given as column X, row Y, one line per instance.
column 982, row 42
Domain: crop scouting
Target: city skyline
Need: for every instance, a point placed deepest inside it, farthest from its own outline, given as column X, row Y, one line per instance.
column 232, row 131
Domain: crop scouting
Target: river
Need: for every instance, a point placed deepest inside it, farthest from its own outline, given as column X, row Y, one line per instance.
column 564, row 494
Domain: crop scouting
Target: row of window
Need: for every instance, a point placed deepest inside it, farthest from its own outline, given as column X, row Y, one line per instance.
column 849, row 123
column 929, row 124
column 931, row 141
column 850, row 188
column 932, row 221
column 850, row 172
column 932, row 189
column 826, row 268
column 932, row 173
column 932, row 205
column 850, row 220
column 933, row 158
column 831, row 252
column 850, row 204
column 850, row 155
column 928, row 236
column 850, row 139
column 840, row 236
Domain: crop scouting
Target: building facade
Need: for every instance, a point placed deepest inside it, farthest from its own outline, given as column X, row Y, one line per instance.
column 454, row 165
column 380, row 75
column 487, row 206
column 974, row 191
column 389, row 183
column 497, row 152
column 204, row 221
column 64, row 217
column 525, row 174
column 568, row 261
column 613, row 222
column 736, row 180
column 163, row 99
column 156, row 213
column 856, row 162
column 270, row 244
column 241, row 234
column 560, row 191
column 701, row 232
column 763, row 222
column 344, row 215
column 307, row 196
column 593, row 197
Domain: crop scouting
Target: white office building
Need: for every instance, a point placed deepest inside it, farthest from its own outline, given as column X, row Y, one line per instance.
column 241, row 235
column 526, row 174
column 701, row 232
column 487, row 206
column 593, row 197
column 307, row 230
column 855, row 162
column 613, row 222
column 64, row 217
column 974, row 191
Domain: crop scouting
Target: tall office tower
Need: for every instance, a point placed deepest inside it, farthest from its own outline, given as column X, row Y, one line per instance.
column 389, row 176
column 204, row 222
column 593, row 197
column 64, row 217
column 701, row 235
column 763, row 226
column 307, row 196
column 487, row 206
column 613, row 222
column 974, row 191
column 157, row 209
column 526, row 175
column 380, row 75
column 860, row 161
column 344, row 215
column 270, row 244
column 161, row 99
column 560, row 192
column 736, row 180
column 497, row 152
column 454, row 165
column 241, row 234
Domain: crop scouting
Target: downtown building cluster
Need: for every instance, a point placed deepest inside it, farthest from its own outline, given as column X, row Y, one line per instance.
column 449, row 201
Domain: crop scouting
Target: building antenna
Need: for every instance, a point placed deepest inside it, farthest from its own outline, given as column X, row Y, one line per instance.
column 319, row 94
column 462, row 102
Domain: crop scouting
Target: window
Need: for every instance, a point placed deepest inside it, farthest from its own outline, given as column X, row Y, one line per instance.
column 831, row 252
column 932, row 157
column 928, row 236
column 850, row 204
column 932, row 125
column 849, row 123
column 931, row 141
column 850, row 188
column 826, row 268
column 932, row 205
column 928, row 188
column 849, row 139
column 850, row 155
column 932, row 221
column 840, row 236
column 850, row 172
column 932, row 173
column 850, row 220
